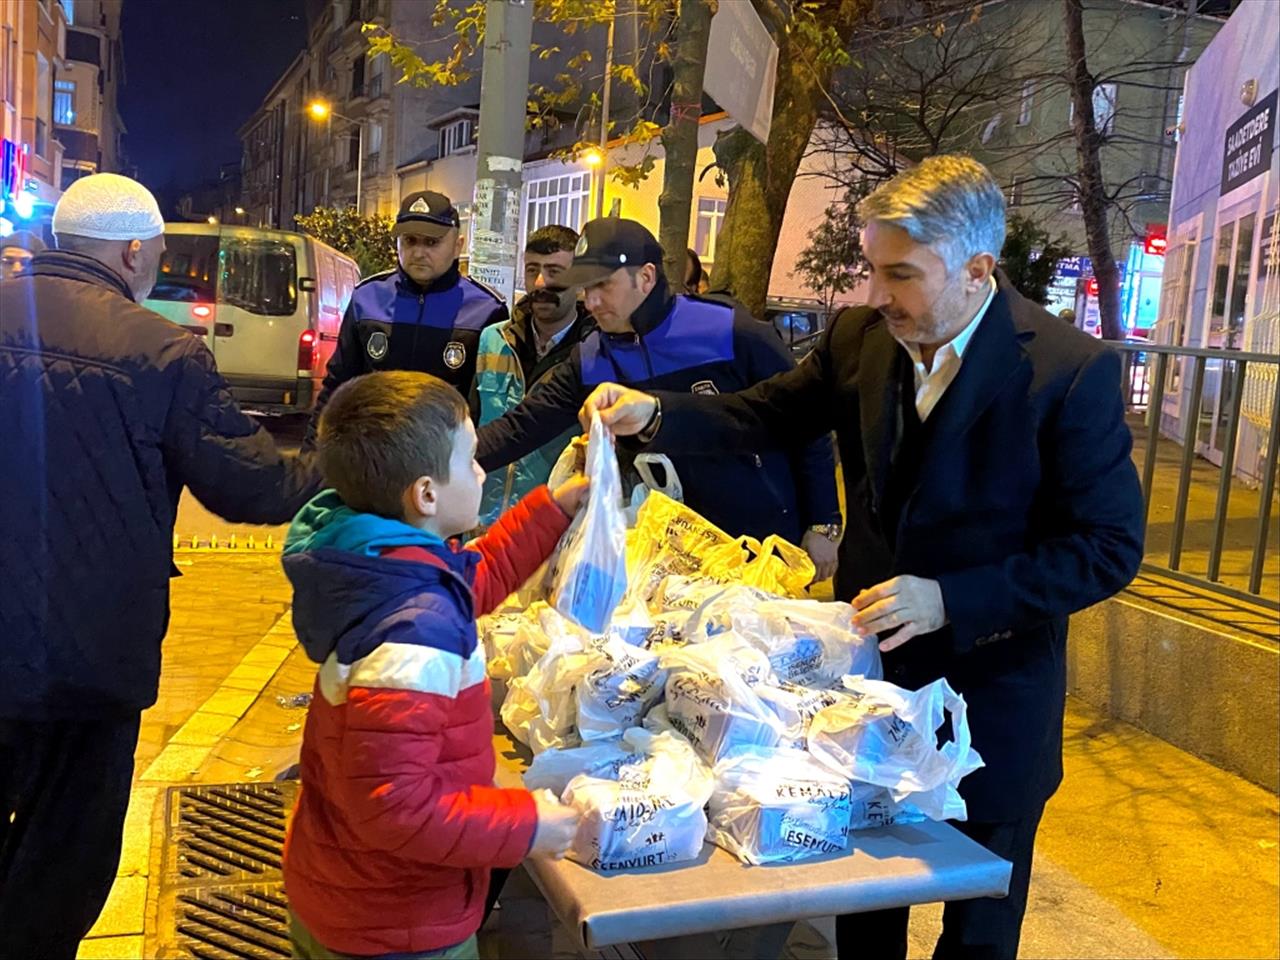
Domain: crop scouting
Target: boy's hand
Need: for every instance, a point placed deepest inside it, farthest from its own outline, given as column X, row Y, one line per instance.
column 557, row 825
column 571, row 495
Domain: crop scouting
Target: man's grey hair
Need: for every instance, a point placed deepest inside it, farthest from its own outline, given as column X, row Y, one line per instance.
column 950, row 202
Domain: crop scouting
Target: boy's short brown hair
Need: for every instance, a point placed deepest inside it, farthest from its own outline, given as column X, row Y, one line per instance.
column 382, row 431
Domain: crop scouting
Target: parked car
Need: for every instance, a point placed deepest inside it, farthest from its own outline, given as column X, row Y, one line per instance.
column 796, row 320
column 269, row 304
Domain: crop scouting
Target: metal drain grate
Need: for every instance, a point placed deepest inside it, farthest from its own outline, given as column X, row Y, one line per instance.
column 222, row 897
column 229, row 832
column 248, row 921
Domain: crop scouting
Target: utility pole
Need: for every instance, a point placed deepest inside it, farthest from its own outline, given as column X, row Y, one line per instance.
column 504, row 94
column 604, row 113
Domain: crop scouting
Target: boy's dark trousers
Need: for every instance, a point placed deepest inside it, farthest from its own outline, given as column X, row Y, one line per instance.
column 66, row 786
column 497, row 878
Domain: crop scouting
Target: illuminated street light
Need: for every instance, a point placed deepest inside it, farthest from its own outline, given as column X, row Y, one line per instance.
column 213, row 220
column 239, row 211
column 320, row 110
column 593, row 157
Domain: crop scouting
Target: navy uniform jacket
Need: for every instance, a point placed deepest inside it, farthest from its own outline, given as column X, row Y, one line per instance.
column 1026, row 508
column 696, row 346
column 393, row 323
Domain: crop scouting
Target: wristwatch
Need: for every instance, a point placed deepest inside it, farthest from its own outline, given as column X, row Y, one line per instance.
column 831, row 531
column 655, row 423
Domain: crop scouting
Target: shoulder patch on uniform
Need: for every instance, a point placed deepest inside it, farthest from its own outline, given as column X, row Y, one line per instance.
column 377, row 276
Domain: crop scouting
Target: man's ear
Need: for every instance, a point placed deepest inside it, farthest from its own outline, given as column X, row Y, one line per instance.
column 420, row 498
column 460, row 246
column 979, row 270
column 130, row 254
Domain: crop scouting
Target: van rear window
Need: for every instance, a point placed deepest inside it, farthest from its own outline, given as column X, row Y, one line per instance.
column 188, row 270
column 260, row 276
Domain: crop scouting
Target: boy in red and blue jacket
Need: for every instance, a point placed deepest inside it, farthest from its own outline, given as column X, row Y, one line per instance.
column 398, row 822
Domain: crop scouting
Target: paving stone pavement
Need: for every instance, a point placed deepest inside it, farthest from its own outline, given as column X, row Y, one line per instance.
column 1146, row 851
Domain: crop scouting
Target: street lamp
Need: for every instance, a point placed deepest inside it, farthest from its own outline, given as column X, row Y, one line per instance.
column 320, row 110
column 594, row 158
column 239, row 211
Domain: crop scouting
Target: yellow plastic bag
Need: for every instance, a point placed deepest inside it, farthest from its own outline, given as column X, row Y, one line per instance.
column 669, row 539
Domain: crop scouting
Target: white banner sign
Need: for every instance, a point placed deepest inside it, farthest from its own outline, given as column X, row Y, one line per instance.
column 742, row 66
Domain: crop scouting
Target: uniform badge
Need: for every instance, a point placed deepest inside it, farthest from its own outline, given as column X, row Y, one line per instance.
column 377, row 345
column 704, row 388
column 455, row 355
column 581, row 248
column 419, row 206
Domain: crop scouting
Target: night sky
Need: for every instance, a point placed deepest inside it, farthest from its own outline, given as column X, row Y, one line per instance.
column 195, row 71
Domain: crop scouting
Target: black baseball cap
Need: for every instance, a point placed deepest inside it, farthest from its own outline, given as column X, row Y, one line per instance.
column 607, row 244
column 425, row 214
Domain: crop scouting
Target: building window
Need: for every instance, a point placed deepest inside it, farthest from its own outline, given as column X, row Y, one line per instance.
column 357, row 76
column 353, row 152
column 558, row 200
column 64, row 102
column 44, row 106
column 707, row 229
column 456, row 137
column 377, row 68
column 990, row 129
column 373, row 145
column 8, row 64
column 1015, row 192
column 1028, row 100
column 69, row 9
column 1104, row 108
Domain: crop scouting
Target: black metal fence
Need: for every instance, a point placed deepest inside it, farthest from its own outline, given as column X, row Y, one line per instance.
column 1150, row 373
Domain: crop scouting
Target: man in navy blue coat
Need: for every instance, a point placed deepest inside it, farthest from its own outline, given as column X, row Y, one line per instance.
column 990, row 494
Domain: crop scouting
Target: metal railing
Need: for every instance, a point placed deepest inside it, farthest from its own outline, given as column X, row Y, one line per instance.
column 1147, row 370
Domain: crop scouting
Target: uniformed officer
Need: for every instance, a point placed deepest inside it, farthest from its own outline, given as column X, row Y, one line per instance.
column 424, row 315
column 649, row 337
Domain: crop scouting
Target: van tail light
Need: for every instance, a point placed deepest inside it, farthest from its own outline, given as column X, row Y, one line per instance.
column 306, row 352
column 202, row 311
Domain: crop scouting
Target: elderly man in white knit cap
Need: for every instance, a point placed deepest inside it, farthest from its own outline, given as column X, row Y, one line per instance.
column 107, row 411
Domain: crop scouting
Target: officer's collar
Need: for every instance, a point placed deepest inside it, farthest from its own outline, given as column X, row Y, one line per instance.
column 653, row 309
column 445, row 281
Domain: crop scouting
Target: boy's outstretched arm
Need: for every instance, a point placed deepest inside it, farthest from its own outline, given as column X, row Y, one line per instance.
column 516, row 545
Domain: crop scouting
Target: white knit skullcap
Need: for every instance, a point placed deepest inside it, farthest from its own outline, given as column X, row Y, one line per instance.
column 107, row 206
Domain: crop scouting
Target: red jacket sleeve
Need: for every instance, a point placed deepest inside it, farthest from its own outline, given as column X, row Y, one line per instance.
column 397, row 797
column 515, row 546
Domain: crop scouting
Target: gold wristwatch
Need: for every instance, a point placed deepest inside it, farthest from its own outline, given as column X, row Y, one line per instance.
column 831, row 531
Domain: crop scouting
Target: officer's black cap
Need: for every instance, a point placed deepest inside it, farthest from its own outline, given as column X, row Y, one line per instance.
column 607, row 244
column 426, row 214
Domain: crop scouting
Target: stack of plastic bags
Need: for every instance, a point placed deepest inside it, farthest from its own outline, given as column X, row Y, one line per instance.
column 709, row 679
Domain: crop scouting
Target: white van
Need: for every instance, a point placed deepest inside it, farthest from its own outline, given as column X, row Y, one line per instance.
column 269, row 304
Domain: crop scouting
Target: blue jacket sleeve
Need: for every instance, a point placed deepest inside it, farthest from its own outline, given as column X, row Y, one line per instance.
column 549, row 410
column 812, row 466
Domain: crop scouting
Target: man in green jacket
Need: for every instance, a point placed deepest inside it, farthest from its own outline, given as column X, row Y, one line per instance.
column 518, row 354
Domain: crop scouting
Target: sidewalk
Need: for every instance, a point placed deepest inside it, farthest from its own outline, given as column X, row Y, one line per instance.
column 1146, row 851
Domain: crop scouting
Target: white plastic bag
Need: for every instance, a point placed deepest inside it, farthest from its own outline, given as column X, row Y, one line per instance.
column 886, row 736
column 778, row 805
column 873, row 807
column 622, row 683
column 710, row 700
column 539, row 709
column 591, row 574
column 651, row 815
column 795, row 706
column 553, row 769
column 808, row 642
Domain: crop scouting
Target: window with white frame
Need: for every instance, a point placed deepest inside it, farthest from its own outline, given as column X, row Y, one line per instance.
column 707, row 229
column 373, row 140
column 1028, row 101
column 64, row 102
column 456, row 137
column 1104, row 108
column 558, row 200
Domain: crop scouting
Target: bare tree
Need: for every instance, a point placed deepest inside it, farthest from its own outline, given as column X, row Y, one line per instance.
column 1092, row 189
